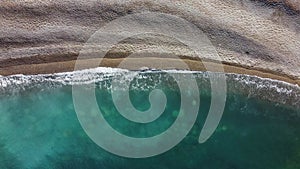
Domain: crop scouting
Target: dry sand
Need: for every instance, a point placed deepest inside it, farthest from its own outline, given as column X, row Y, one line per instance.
column 258, row 37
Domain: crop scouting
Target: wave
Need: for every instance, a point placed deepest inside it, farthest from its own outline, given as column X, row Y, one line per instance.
column 265, row 89
column 251, row 86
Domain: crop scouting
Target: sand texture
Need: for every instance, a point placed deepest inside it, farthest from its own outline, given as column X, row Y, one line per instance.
column 258, row 37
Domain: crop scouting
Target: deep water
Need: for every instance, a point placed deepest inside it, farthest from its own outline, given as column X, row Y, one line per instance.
column 40, row 130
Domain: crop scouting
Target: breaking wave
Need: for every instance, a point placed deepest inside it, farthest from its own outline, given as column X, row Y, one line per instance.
column 252, row 86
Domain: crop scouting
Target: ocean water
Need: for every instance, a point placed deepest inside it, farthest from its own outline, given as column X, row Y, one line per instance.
column 260, row 127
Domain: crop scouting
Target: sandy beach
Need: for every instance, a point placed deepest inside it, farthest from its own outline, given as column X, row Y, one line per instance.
column 252, row 37
column 194, row 65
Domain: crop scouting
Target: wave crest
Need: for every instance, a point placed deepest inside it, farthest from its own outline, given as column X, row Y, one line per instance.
column 252, row 86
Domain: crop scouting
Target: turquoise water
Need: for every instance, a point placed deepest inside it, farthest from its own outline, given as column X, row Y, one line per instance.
column 39, row 127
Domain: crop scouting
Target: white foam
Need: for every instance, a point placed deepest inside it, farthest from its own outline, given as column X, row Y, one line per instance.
column 259, row 82
column 87, row 76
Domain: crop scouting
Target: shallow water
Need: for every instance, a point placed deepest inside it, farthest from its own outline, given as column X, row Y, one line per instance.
column 40, row 129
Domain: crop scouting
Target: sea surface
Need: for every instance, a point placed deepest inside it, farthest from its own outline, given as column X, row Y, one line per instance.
column 259, row 129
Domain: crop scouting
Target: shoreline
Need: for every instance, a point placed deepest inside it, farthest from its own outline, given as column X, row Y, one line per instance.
column 253, row 38
column 134, row 64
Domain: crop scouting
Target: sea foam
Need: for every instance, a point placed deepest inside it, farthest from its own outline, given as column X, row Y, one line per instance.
column 253, row 86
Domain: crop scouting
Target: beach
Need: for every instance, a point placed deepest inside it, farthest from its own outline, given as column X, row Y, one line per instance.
column 251, row 37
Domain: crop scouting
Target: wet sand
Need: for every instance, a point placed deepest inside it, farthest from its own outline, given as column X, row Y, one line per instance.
column 136, row 63
column 252, row 37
